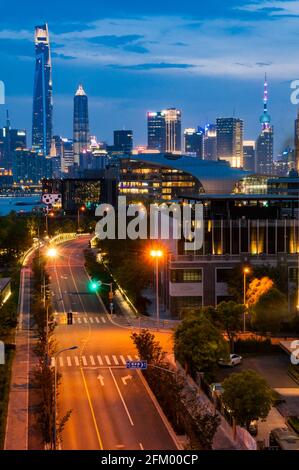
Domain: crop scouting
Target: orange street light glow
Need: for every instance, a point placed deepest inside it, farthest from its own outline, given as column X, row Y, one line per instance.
column 246, row 270
column 156, row 253
column 52, row 252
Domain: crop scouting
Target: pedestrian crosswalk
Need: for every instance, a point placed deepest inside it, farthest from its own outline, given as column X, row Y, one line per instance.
column 94, row 360
column 88, row 319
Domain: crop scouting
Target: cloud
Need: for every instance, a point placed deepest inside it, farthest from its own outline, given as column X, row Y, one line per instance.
column 62, row 56
column 115, row 41
column 273, row 7
column 137, row 48
column 209, row 47
column 149, row 66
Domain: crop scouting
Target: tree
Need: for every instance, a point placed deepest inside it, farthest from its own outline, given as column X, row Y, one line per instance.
column 257, row 288
column 149, row 350
column 198, row 344
column 270, row 311
column 230, row 315
column 248, row 397
column 206, row 421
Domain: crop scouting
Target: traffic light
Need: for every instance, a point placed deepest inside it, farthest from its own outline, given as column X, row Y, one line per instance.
column 94, row 285
column 69, row 318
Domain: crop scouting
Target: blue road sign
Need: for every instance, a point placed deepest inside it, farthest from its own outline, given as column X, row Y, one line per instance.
column 136, row 365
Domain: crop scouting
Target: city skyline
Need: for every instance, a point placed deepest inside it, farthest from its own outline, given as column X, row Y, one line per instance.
column 177, row 72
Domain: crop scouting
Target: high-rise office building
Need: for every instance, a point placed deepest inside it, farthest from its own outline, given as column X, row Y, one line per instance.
column 123, row 141
column 10, row 140
column 173, row 130
column 297, row 141
column 80, row 124
column 230, row 141
column 42, row 93
column 210, row 142
column 29, row 166
column 67, row 157
column 264, row 143
column 249, row 155
column 164, row 130
column 156, row 131
column 193, row 141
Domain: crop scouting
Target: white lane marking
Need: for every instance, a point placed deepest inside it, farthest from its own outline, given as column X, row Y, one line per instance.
column 141, row 446
column 122, row 359
column 115, row 360
column 103, row 319
column 129, row 357
column 85, row 320
column 79, row 320
column 61, row 361
column 76, row 360
column 84, row 360
column 126, row 378
column 69, row 362
column 92, row 360
column 108, row 360
column 101, row 379
column 97, row 320
column 121, row 397
column 100, row 360
column 52, row 361
column 91, row 319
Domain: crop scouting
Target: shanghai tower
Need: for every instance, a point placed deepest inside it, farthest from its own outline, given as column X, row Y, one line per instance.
column 42, row 93
column 81, row 124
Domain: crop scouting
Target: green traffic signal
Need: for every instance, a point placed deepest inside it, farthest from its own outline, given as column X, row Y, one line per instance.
column 94, row 285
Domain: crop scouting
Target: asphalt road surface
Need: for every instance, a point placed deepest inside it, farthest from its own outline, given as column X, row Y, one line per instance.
column 112, row 407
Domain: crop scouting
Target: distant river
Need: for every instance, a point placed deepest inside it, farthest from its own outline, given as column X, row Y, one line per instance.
column 18, row 204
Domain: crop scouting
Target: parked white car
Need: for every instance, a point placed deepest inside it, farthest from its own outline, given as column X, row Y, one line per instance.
column 233, row 360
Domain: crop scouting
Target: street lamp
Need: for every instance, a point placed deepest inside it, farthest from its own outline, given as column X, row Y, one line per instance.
column 52, row 252
column 51, row 214
column 157, row 254
column 55, row 389
column 246, row 271
column 82, row 209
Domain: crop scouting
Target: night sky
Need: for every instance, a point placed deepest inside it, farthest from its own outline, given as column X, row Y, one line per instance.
column 207, row 58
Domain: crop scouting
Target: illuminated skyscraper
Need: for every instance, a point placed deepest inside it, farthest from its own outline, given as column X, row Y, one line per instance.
column 156, row 131
column 264, row 143
column 42, row 93
column 193, row 141
column 230, row 141
column 164, row 130
column 173, row 130
column 80, row 124
column 210, row 142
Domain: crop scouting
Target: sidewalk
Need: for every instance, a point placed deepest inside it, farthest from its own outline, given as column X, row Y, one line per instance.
column 19, row 431
column 16, row 437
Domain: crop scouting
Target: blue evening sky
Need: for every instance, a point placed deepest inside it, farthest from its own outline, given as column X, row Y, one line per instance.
column 206, row 57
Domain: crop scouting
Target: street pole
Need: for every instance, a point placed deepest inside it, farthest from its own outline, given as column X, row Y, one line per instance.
column 244, row 301
column 78, row 227
column 157, row 293
column 111, row 297
column 47, row 231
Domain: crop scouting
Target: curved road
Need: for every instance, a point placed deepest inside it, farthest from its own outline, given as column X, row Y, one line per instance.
column 112, row 407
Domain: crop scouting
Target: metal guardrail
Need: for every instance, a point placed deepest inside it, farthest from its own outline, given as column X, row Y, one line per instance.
column 62, row 237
